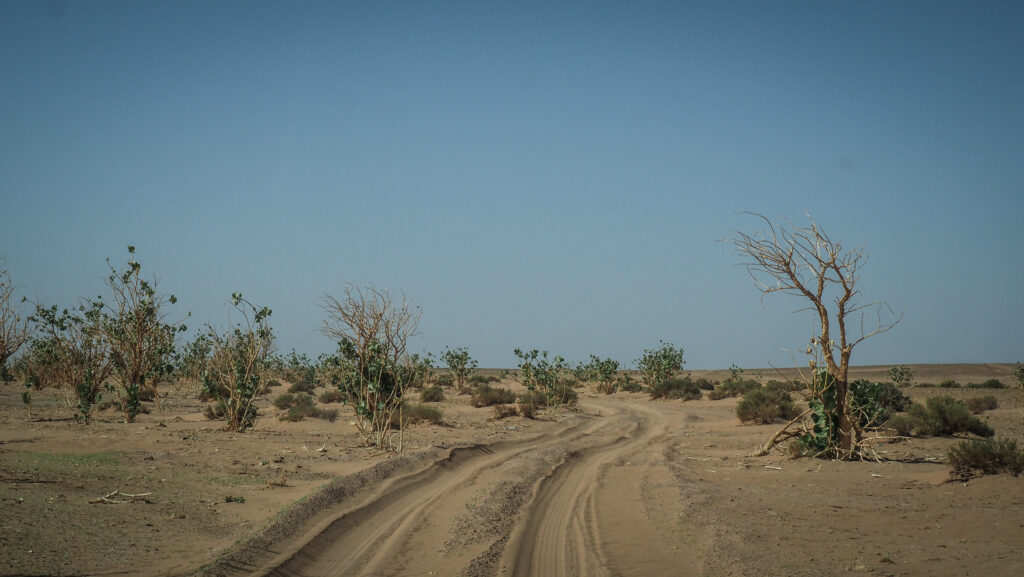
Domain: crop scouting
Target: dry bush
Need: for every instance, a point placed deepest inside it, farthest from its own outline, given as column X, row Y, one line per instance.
column 486, row 395
column 987, row 456
column 676, row 388
column 504, row 411
column 433, row 394
column 981, row 404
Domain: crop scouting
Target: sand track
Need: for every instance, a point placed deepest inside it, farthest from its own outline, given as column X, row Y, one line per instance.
column 414, row 525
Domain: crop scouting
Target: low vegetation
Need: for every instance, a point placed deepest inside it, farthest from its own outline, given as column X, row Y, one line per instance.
column 763, row 406
column 985, row 456
column 676, row 388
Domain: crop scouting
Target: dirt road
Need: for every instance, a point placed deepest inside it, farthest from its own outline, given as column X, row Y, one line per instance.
column 578, row 501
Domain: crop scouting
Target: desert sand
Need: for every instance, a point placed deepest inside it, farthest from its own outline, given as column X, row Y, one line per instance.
column 622, row 485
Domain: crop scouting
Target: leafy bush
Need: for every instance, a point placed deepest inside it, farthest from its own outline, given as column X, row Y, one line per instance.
column 486, row 395
column 761, row 405
column 677, row 388
column 434, row 394
column 987, row 456
column 661, row 364
column 949, row 384
column 504, row 411
column 876, row 402
column 534, row 399
column 538, row 373
column 460, row 364
column 947, row 416
column 598, row 371
column 982, row 404
column 902, row 375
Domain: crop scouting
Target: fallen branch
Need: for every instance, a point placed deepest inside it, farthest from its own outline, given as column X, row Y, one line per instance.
column 783, row 434
column 110, row 500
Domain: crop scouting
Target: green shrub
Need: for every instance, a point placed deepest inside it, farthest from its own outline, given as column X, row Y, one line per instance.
column 661, row 364
column 434, row 394
column 982, row 404
column 947, row 416
column 486, row 395
column 535, row 399
column 503, row 411
column 676, row 388
column 305, row 387
column 538, row 373
column 902, row 375
column 332, row 396
column 948, row 384
column 876, row 402
column 444, row 380
column 762, row 405
column 987, row 456
column 460, row 365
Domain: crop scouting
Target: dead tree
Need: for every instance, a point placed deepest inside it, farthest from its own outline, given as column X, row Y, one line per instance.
column 806, row 262
column 372, row 331
column 14, row 328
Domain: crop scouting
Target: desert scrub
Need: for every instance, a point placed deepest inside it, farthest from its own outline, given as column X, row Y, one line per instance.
column 486, row 395
column 676, row 388
column 764, row 406
column 981, row 404
column 730, row 388
column 302, row 387
column 947, row 416
column 332, row 396
column 984, row 455
column 989, row 384
column 421, row 414
column 482, row 379
column 301, row 405
column 434, row 394
column 460, row 364
column 504, row 411
column 628, row 384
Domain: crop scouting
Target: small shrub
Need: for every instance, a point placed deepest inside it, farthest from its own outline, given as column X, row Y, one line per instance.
column 503, row 411
column 284, row 401
column 485, row 396
column 989, row 384
column 948, row 384
column 606, row 388
column 527, row 410
column 563, row 393
column 332, row 396
column 903, row 425
column 704, row 384
column 784, row 386
column 988, row 456
column 677, row 388
column 534, row 399
column 947, row 416
column 761, row 405
column 434, row 394
column 733, row 389
column 274, row 383
column 444, row 380
column 626, row 383
column 329, row 415
column 482, row 379
column 302, row 388
column 422, row 414
column 234, row 499
column 661, row 364
column 981, row 404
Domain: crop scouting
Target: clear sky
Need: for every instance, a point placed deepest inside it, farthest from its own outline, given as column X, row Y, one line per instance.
column 537, row 175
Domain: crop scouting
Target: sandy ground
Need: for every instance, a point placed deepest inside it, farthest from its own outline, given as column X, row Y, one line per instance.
column 623, row 486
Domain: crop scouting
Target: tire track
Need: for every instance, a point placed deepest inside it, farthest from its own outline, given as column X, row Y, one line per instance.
column 370, row 539
column 560, row 534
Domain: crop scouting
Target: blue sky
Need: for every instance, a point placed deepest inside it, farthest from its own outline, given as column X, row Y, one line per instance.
column 535, row 175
